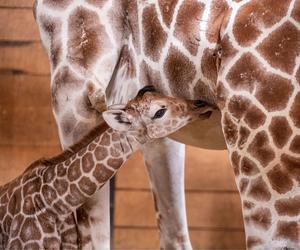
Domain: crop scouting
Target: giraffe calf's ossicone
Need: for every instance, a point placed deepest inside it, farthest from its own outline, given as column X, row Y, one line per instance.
column 35, row 206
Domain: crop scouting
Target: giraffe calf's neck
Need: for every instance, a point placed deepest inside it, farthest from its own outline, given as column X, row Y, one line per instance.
column 35, row 206
column 52, row 189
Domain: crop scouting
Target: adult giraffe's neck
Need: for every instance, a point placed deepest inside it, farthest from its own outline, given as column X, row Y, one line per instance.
column 73, row 177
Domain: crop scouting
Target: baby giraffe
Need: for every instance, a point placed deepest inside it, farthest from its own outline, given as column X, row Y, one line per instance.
column 34, row 205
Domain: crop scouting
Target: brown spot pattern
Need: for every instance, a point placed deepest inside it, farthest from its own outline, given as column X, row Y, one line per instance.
column 87, row 162
column 49, row 194
column 31, row 246
column 28, row 207
column 295, row 144
column 288, row 207
column 217, row 12
column 243, row 185
column 296, row 11
column 272, row 91
column 238, row 105
column 15, row 245
column 16, row 225
column 87, row 38
column 230, row 130
column 51, row 243
column 280, row 131
column 105, row 140
column 87, row 186
column 52, row 28
column 180, row 71
column 61, row 207
column 29, row 230
column 259, row 190
column 97, row 3
column 261, row 218
column 115, row 162
column 248, row 205
column 243, row 137
column 59, row 4
column 253, row 15
column 167, row 8
column 280, row 180
column 61, row 186
column 101, row 173
column 69, row 236
column 248, row 167
column 254, row 117
column 295, row 111
column 61, row 170
column 277, row 47
column 292, row 166
column 32, row 187
column 101, row 153
column 47, row 221
column 288, row 230
column 253, row 241
column 154, row 35
column 75, row 197
column 260, row 149
column 49, row 174
column 187, row 24
column 235, row 160
column 74, row 171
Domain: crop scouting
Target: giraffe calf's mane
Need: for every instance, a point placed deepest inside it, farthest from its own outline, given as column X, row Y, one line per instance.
column 148, row 88
column 66, row 154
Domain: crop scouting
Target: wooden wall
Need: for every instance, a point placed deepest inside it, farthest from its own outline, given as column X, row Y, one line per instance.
column 28, row 132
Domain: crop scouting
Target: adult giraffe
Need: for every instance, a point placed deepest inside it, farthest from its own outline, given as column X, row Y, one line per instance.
column 242, row 55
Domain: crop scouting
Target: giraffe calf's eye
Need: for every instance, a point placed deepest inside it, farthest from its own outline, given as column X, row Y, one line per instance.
column 159, row 114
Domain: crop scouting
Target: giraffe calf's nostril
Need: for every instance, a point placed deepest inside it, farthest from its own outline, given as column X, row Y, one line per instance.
column 200, row 103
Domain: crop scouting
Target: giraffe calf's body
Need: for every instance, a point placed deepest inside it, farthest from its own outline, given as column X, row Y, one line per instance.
column 35, row 207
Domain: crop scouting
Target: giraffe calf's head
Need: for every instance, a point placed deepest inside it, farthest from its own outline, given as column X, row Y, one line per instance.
column 152, row 115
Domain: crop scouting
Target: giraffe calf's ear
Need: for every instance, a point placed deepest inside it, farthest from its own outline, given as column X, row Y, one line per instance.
column 117, row 119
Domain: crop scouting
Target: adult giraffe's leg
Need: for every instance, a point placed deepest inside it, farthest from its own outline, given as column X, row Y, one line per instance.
column 259, row 95
column 164, row 159
column 90, row 226
column 75, row 116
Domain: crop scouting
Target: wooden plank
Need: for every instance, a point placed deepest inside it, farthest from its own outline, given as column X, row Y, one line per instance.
column 133, row 174
column 208, row 210
column 27, row 126
column 29, row 58
column 26, row 116
column 140, row 238
column 17, row 3
column 208, row 170
column 204, row 170
column 20, row 91
column 18, row 25
column 14, row 159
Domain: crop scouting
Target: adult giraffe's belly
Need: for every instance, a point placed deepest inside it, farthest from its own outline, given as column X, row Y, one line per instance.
column 206, row 134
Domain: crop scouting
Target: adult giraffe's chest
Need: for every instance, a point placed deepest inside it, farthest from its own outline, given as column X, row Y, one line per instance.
column 176, row 46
